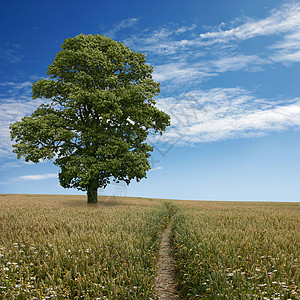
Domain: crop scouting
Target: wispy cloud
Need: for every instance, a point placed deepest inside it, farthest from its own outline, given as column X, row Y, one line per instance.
column 218, row 114
column 15, row 103
column 127, row 23
column 287, row 50
column 156, row 169
column 36, row 177
column 234, row 63
column 166, row 40
column 9, row 165
column 183, row 72
column 12, row 53
column 282, row 20
column 176, row 56
column 24, row 178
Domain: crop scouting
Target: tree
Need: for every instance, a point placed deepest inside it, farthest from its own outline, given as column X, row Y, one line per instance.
column 99, row 112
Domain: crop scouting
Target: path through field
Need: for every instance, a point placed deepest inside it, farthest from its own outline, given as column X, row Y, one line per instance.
column 165, row 283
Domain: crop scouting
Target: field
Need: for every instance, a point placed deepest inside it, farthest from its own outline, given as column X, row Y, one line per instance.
column 58, row 247
column 238, row 250
column 61, row 247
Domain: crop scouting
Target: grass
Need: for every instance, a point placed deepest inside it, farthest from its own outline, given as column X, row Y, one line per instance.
column 59, row 247
column 238, row 250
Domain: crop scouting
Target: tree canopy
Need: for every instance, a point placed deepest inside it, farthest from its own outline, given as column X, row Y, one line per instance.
column 99, row 112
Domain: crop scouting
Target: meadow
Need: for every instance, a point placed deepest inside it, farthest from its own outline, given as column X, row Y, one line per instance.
column 58, row 247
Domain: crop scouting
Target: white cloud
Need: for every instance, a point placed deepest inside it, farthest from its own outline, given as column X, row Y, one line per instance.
column 288, row 50
column 291, row 41
column 287, row 57
column 182, row 72
column 23, row 178
column 219, row 114
column 166, row 40
column 10, row 112
column 156, row 169
column 16, row 104
column 11, row 53
column 184, row 29
column 37, row 177
column 20, row 89
column 235, row 63
column 207, row 54
column 282, row 20
column 9, row 165
column 127, row 23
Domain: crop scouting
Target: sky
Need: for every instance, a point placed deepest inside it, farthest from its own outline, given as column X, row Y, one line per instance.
column 230, row 80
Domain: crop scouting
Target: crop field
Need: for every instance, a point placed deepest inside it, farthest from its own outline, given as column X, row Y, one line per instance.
column 229, row 250
column 59, row 247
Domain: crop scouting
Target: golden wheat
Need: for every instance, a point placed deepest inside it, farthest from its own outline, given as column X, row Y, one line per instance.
column 60, row 247
column 238, row 250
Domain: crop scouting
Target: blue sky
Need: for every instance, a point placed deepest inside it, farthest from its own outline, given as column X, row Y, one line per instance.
column 229, row 74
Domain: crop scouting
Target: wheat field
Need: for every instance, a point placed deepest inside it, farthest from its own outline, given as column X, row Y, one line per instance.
column 59, row 247
column 230, row 250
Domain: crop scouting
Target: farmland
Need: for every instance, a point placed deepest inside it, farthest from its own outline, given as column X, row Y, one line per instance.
column 59, row 247
column 238, row 250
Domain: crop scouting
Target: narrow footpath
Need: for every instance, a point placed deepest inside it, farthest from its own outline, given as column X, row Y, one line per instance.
column 165, row 285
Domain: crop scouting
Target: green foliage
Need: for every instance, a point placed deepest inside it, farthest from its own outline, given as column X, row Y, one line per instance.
column 101, row 111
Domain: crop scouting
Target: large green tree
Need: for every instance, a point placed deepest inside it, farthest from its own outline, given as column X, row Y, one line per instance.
column 101, row 111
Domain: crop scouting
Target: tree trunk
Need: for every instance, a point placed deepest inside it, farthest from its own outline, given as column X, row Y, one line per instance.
column 92, row 196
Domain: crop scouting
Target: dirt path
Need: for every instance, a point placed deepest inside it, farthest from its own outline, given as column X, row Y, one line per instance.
column 164, row 282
